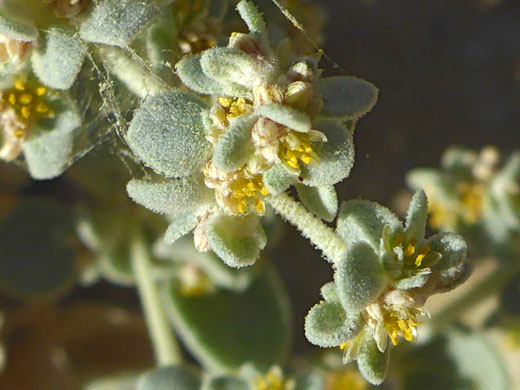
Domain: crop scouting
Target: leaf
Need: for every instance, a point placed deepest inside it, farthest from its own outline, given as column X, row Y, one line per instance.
column 36, row 259
column 277, row 179
column 372, row 364
column 234, row 147
column 180, row 226
column 191, row 74
column 359, row 278
column 346, row 97
column 249, row 13
column 226, row 329
column 230, row 66
column 172, row 377
column 327, row 325
column 59, row 61
column 363, row 220
column 321, row 201
column 236, row 240
column 329, row 292
column 286, row 116
column 335, row 156
column 13, row 28
column 167, row 133
column 117, row 22
column 174, row 197
column 416, row 218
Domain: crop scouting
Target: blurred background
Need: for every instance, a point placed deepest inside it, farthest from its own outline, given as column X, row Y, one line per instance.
column 448, row 74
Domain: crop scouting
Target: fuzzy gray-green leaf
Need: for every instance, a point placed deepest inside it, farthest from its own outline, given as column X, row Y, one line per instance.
column 16, row 29
column 173, row 197
column 59, row 61
column 286, row 116
column 346, row 97
column 234, row 147
column 236, row 240
column 167, row 133
column 190, row 72
column 416, row 217
column 277, row 179
column 249, row 13
column 359, row 278
column 181, row 226
column 117, row 22
column 322, row 201
column 372, row 363
column 327, row 325
column 362, row 220
column 335, row 156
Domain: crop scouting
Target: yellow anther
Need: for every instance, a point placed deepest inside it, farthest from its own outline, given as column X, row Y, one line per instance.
column 26, row 98
column 293, row 163
column 306, row 158
column 19, row 85
column 260, row 206
column 419, row 259
column 410, row 249
column 242, row 206
column 40, row 91
column 225, row 102
column 343, row 346
column 12, row 99
column 238, row 194
column 264, row 191
column 220, row 114
column 251, row 186
column 26, row 112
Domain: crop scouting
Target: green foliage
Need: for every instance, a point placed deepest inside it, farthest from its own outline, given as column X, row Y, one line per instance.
column 322, row 201
column 46, row 266
column 218, row 328
column 167, row 133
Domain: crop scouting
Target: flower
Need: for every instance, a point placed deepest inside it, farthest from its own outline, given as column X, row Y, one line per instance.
column 381, row 285
column 473, row 194
column 266, row 121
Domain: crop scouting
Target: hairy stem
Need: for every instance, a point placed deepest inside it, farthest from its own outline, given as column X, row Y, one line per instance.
column 312, row 228
column 167, row 351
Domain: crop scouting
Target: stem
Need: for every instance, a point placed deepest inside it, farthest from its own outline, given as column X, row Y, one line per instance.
column 312, row 228
column 167, row 351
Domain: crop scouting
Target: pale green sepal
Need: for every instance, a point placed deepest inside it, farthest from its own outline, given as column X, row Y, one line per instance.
column 171, row 377
column 167, row 133
column 335, row 156
column 451, row 246
column 277, row 179
column 327, row 325
column 172, row 197
column 346, row 97
column 230, row 66
column 181, row 226
column 286, row 116
column 416, row 217
column 362, row 220
column 234, row 147
column 322, row 201
column 59, row 60
column 16, row 29
column 372, row 363
column 236, row 240
column 226, row 383
column 117, row 22
column 249, row 13
column 190, row 72
column 329, row 292
column 359, row 278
